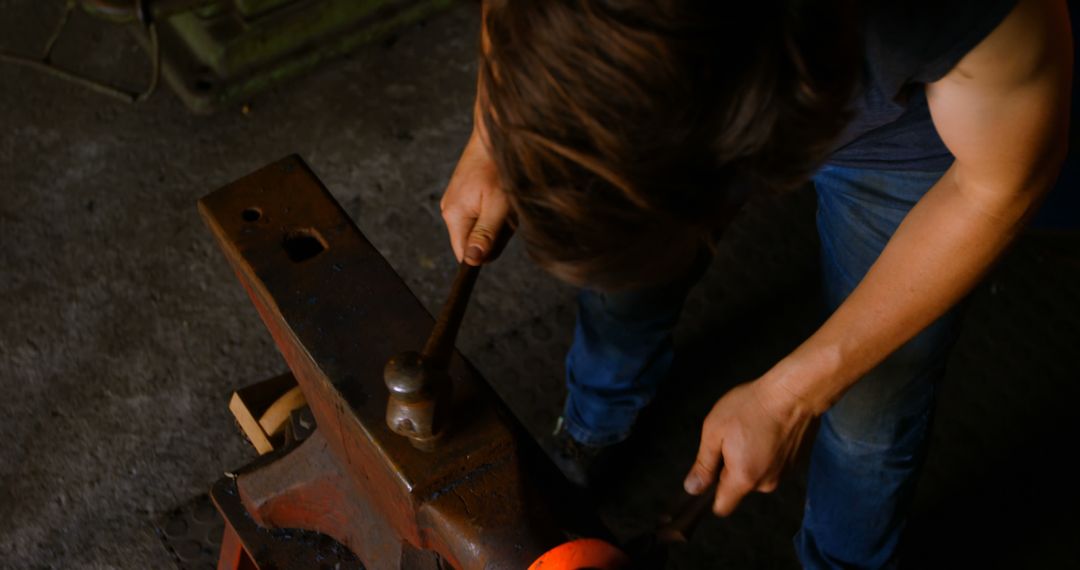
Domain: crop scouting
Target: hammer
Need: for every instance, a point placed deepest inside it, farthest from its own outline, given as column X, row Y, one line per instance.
column 418, row 383
column 650, row 550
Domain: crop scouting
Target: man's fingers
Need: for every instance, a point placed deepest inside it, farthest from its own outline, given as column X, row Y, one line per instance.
column 768, row 486
column 703, row 473
column 730, row 491
column 481, row 241
column 474, row 207
column 458, row 226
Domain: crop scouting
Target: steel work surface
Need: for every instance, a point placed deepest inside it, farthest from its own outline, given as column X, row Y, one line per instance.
column 123, row 332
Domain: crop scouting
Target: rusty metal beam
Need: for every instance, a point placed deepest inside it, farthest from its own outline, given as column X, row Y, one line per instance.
column 337, row 312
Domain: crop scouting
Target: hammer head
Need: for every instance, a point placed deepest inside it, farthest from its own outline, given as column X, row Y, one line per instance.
column 419, row 395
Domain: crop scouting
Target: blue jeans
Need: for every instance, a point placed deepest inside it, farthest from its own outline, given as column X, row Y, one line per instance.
column 870, row 443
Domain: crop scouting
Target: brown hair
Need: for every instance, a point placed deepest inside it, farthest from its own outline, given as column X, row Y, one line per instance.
column 624, row 131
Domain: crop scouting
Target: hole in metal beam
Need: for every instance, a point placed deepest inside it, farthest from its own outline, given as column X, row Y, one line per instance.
column 302, row 245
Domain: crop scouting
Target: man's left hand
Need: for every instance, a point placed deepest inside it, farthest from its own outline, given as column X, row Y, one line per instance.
column 750, row 435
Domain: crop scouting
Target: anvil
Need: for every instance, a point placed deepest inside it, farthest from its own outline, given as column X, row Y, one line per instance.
column 483, row 497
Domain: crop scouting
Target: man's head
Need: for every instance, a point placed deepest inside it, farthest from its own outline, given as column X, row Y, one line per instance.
column 622, row 130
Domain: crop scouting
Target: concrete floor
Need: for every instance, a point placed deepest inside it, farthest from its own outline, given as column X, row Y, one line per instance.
column 123, row 330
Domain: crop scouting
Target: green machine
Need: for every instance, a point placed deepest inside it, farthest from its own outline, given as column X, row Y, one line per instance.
column 218, row 53
column 228, row 50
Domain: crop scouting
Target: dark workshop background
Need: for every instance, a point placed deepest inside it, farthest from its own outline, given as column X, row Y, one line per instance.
column 123, row 331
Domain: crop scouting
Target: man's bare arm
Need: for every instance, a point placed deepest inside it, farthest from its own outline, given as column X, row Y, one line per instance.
column 1003, row 112
column 474, row 207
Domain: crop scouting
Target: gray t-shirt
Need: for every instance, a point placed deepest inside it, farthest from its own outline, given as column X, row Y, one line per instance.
column 909, row 43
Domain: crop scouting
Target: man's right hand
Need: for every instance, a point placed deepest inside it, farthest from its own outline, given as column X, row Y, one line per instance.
column 474, row 207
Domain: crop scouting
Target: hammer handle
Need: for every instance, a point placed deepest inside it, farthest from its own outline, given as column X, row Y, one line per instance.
column 440, row 345
column 677, row 526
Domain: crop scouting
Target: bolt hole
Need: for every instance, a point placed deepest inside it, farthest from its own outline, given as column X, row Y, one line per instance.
column 251, row 214
column 302, row 245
